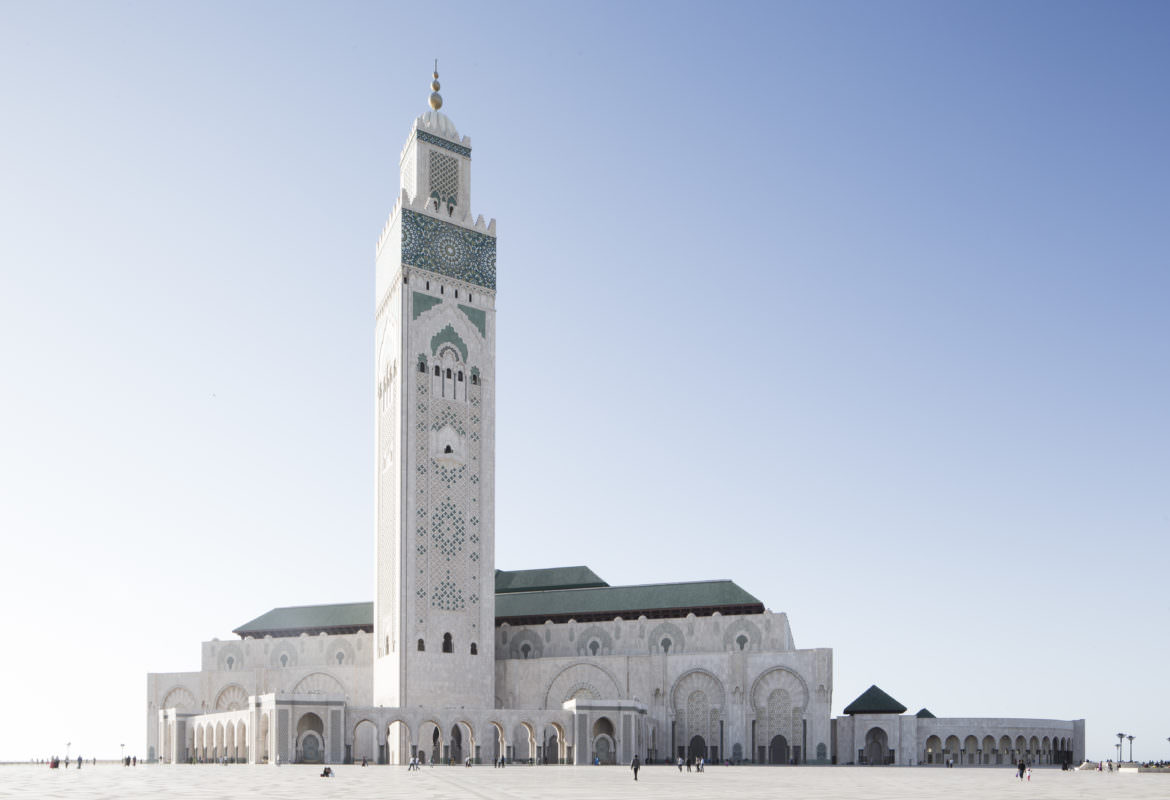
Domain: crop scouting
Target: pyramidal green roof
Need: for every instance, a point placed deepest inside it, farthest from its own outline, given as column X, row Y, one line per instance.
column 874, row 701
column 924, row 713
column 537, row 580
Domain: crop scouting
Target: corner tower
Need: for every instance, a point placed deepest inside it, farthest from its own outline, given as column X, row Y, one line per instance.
column 434, row 609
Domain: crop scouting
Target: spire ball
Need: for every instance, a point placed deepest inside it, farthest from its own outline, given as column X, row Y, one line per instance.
column 436, row 99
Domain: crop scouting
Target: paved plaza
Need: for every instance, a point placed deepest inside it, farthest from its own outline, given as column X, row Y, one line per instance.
column 566, row 783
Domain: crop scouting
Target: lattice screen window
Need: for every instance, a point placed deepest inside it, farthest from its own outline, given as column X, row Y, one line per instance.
column 444, row 180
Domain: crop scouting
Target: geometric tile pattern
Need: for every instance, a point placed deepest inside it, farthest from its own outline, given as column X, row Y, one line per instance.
column 447, row 502
column 447, row 249
column 423, row 136
column 444, row 179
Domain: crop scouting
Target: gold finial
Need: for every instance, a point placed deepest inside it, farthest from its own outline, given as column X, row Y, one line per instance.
column 436, row 98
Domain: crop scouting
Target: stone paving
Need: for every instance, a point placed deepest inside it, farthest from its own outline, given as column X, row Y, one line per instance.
column 569, row 783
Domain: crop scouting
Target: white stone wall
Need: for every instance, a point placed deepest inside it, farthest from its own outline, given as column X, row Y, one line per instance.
column 702, row 684
column 965, row 741
column 234, row 670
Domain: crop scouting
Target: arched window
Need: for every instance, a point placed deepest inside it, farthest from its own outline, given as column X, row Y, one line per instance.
column 437, row 371
column 231, row 660
column 474, row 649
column 448, row 373
column 448, row 645
column 422, row 366
column 284, row 659
column 460, row 376
column 666, row 643
column 594, row 646
column 447, row 449
column 525, row 649
column 421, row 646
column 474, row 379
column 742, row 641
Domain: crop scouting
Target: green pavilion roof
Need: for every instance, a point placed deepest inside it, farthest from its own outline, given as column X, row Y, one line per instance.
column 538, row 580
column 924, row 713
column 651, row 600
column 294, row 620
column 530, row 597
column 874, row 701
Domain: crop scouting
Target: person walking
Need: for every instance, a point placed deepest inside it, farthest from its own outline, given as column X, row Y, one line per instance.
column 680, row 763
column 636, row 765
column 1020, row 768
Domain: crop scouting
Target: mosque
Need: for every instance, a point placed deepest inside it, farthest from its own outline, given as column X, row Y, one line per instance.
column 455, row 659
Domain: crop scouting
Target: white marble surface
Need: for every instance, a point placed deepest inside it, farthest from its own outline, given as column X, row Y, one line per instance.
column 586, row 783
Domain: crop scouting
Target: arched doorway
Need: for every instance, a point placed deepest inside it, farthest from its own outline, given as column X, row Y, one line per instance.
column 697, row 748
column 778, row 750
column 310, row 739
column 399, row 747
column 498, row 744
column 934, row 749
column 365, row 742
column 876, row 746
column 551, row 749
column 436, row 747
column 604, row 751
column 264, row 738
column 455, row 749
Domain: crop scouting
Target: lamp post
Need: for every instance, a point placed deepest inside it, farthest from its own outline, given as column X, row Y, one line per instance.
column 1130, row 737
column 1120, row 736
column 123, row 746
column 67, row 746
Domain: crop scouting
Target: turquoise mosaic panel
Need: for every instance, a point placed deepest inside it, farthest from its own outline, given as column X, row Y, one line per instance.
column 448, row 249
column 439, row 141
column 448, row 335
column 478, row 318
column 447, row 416
column 424, row 303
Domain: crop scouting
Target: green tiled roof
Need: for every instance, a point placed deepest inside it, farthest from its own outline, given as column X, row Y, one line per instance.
column 653, row 600
column 336, row 618
column 526, row 597
column 536, row 580
column 924, row 714
column 874, row 701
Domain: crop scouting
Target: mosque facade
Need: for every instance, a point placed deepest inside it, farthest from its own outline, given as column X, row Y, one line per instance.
column 455, row 660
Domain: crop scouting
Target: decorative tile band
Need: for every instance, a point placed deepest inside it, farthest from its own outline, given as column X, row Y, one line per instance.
column 439, row 141
column 448, row 249
column 424, row 303
column 478, row 318
column 448, row 335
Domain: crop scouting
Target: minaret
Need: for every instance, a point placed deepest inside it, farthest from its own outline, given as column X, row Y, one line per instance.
column 434, row 610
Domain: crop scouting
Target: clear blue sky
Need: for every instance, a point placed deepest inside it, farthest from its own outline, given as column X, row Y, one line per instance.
column 863, row 305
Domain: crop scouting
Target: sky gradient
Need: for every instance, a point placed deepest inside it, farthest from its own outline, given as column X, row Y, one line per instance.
column 863, row 306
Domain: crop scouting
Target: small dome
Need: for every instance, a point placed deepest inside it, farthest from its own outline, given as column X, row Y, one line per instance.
column 440, row 123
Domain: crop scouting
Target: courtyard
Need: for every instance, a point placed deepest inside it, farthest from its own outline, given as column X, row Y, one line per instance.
column 565, row 783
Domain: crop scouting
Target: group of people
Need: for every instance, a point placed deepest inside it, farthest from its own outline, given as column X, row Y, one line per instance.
column 1023, row 771
column 697, row 761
